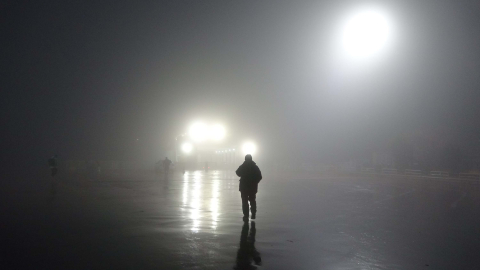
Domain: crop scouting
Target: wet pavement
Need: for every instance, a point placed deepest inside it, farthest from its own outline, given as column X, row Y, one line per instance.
column 194, row 221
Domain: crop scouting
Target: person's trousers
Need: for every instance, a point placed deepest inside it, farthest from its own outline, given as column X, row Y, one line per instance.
column 246, row 197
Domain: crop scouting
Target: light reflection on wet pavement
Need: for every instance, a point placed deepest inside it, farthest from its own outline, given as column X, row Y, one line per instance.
column 194, row 221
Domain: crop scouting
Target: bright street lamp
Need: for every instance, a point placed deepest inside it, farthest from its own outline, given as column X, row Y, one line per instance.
column 198, row 132
column 187, row 147
column 366, row 32
column 249, row 148
column 217, row 132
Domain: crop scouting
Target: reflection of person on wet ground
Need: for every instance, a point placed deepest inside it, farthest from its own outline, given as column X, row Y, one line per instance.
column 247, row 256
column 53, row 191
column 250, row 176
column 166, row 166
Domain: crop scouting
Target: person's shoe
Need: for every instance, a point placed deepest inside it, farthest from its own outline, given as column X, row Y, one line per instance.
column 254, row 215
column 245, row 218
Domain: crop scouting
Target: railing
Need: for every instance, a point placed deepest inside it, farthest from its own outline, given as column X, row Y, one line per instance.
column 413, row 172
column 389, row 171
column 469, row 175
column 368, row 170
column 439, row 174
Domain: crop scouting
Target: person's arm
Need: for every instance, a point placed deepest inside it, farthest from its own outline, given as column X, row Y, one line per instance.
column 239, row 171
column 259, row 175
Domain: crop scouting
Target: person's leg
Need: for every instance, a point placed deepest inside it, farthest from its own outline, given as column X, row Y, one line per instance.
column 245, row 204
column 253, row 204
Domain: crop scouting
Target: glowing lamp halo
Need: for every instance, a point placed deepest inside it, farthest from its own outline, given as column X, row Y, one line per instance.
column 249, row 148
column 187, row 147
column 366, row 32
column 200, row 132
column 217, row 132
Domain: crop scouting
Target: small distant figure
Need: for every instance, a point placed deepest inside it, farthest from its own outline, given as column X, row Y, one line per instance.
column 52, row 163
column 166, row 166
column 99, row 168
column 250, row 176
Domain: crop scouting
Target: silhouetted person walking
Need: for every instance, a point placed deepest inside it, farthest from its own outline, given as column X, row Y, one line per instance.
column 52, row 163
column 166, row 166
column 250, row 176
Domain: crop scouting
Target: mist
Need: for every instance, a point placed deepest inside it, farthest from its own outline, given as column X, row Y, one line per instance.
column 147, row 134
column 121, row 80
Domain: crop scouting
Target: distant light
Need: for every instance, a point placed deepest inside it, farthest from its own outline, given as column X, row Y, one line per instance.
column 198, row 132
column 217, row 132
column 366, row 32
column 249, row 148
column 187, row 148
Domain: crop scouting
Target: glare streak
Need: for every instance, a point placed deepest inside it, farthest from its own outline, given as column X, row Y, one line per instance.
column 214, row 203
column 185, row 191
column 195, row 204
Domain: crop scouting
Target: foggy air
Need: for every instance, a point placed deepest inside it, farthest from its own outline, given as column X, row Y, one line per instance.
column 240, row 135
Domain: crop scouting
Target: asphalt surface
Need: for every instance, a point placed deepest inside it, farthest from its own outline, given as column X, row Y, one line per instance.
column 194, row 221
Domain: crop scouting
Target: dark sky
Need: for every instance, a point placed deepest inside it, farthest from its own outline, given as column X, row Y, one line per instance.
column 86, row 79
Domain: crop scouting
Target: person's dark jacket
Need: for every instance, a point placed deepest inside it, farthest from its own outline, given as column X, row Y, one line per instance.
column 250, row 176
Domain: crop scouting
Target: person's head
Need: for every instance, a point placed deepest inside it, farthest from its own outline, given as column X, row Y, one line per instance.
column 248, row 157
